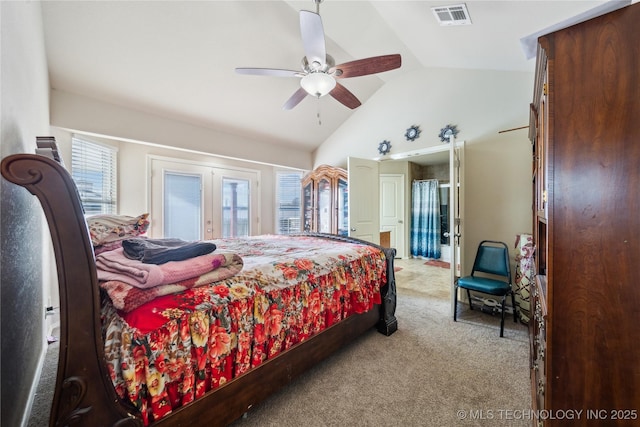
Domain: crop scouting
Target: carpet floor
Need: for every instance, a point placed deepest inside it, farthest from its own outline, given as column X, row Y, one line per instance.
column 431, row 372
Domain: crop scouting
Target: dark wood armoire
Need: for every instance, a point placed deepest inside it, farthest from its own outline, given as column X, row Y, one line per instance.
column 585, row 129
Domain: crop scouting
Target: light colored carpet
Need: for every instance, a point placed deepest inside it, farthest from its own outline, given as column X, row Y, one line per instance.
column 431, row 372
column 423, row 375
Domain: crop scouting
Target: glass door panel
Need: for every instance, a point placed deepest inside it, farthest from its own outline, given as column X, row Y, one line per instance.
column 307, row 206
column 182, row 206
column 324, row 206
column 343, row 208
column 235, row 207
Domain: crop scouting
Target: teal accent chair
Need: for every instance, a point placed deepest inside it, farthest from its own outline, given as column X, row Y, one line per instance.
column 492, row 262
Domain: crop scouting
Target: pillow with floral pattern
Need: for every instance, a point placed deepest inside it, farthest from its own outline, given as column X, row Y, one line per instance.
column 113, row 228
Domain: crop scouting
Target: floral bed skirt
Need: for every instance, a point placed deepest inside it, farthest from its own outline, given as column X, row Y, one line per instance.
column 172, row 350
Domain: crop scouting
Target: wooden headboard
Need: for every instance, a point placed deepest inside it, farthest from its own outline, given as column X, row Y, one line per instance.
column 80, row 360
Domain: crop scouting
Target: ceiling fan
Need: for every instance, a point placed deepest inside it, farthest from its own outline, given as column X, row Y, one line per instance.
column 319, row 73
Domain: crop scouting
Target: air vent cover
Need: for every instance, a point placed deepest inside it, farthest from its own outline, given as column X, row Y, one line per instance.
column 452, row 15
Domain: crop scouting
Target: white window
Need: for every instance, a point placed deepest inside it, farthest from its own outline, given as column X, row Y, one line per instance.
column 93, row 169
column 288, row 212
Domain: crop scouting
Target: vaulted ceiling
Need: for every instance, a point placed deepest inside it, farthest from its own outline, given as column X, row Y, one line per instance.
column 177, row 58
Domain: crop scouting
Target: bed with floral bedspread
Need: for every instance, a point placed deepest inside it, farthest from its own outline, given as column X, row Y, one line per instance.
column 224, row 342
column 173, row 349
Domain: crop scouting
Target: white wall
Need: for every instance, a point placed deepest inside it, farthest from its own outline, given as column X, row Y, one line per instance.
column 479, row 102
column 27, row 274
column 497, row 166
column 79, row 113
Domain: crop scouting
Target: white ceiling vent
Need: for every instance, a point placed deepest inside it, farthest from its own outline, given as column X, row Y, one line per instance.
column 452, row 15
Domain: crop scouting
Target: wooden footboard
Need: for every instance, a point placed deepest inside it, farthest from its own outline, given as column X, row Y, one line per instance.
column 84, row 392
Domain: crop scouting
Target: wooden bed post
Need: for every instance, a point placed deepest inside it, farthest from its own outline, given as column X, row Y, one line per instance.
column 81, row 361
column 388, row 323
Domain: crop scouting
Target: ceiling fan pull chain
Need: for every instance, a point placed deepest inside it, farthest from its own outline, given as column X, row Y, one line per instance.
column 318, row 114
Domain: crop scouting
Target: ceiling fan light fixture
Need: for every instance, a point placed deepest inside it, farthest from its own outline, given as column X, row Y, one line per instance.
column 318, row 84
column 319, row 72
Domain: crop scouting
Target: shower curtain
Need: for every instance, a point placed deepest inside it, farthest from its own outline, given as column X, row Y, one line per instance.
column 425, row 219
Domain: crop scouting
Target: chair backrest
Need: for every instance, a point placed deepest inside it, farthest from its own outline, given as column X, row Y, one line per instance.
column 492, row 258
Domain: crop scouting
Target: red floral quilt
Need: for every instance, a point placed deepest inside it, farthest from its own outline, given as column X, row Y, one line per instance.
column 173, row 349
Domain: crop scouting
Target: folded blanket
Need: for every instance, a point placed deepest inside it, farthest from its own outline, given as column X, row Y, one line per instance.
column 160, row 251
column 114, row 265
column 126, row 297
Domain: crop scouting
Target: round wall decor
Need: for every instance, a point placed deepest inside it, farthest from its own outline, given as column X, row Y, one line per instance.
column 447, row 132
column 412, row 133
column 384, row 147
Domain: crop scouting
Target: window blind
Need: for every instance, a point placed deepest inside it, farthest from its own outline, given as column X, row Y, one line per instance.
column 93, row 169
column 288, row 211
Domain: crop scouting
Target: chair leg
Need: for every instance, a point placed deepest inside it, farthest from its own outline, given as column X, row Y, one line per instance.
column 469, row 296
column 513, row 302
column 502, row 318
column 455, row 303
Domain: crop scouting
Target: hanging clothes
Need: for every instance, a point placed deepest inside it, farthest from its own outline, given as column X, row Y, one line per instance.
column 425, row 219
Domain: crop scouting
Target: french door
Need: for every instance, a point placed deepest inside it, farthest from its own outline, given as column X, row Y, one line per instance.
column 195, row 201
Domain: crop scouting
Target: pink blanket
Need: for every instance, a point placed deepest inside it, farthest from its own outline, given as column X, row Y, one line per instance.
column 114, row 265
column 126, row 297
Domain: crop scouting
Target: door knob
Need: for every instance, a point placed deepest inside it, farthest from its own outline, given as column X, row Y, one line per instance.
column 353, row 229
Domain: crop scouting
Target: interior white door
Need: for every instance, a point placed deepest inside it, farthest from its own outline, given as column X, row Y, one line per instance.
column 392, row 210
column 456, row 214
column 364, row 199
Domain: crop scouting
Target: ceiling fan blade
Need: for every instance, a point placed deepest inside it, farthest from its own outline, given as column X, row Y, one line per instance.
column 344, row 96
column 295, row 99
column 313, row 37
column 363, row 67
column 269, row 72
